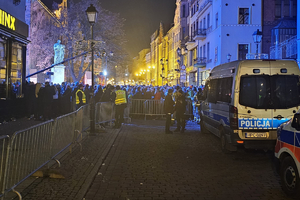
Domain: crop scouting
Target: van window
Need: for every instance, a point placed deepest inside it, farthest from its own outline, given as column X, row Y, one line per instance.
column 270, row 92
column 219, row 90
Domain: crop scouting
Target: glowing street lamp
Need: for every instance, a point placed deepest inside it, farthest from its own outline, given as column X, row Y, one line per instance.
column 91, row 13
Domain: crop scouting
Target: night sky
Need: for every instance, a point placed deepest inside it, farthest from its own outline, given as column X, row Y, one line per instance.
column 142, row 19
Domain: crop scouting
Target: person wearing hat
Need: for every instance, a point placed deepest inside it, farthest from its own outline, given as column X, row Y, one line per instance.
column 169, row 109
column 80, row 97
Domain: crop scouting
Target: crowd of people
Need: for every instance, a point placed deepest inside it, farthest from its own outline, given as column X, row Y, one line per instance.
column 47, row 101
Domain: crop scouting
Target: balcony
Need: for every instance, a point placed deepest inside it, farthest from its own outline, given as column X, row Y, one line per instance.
column 200, row 62
column 199, row 34
column 189, row 40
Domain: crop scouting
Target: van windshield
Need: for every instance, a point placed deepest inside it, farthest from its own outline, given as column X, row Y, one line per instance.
column 270, row 92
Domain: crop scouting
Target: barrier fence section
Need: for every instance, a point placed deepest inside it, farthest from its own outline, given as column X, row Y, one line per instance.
column 154, row 107
column 137, row 106
column 3, row 147
column 29, row 150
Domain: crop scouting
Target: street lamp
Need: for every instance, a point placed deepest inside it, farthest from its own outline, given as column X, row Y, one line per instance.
column 228, row 57
column 257, row 36
column 91, row 13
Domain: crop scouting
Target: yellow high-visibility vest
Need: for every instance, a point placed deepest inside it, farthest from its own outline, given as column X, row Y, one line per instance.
column 83, row 97
column 120, row 97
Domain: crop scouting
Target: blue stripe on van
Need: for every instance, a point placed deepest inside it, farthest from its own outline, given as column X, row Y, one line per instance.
column 260, row 123
column 287, row 137
column 217, row 117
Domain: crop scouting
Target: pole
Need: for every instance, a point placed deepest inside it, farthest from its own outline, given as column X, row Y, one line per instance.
column 92, row 103
column 162, row 75
column 256, row 48
column 105, row 67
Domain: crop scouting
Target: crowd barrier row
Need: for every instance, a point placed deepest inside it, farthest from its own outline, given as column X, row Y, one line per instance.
column 148, row 107
column 27, row 151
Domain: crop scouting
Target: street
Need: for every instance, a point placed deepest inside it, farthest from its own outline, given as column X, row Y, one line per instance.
column 142, row 162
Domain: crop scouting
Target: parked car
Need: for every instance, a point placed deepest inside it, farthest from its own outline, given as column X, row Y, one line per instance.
column 287, row 153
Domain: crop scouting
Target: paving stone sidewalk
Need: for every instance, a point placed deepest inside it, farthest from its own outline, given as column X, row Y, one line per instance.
column 78, row 168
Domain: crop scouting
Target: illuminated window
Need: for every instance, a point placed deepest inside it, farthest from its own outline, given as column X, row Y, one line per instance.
column 244, row 16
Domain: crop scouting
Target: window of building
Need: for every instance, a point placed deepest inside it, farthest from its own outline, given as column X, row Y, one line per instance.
column 216, row 54
column 208, row 20
column 204, row 53
column 207, row 51
column 200, row 53
column 243, row 50
column 204, row 25
column 244, row 16
column 183, row 11
column 217, row 19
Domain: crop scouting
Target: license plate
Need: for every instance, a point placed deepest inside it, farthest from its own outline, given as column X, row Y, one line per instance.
column 255, row 135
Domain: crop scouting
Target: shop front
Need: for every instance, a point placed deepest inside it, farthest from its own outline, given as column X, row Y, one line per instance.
column 13, row 41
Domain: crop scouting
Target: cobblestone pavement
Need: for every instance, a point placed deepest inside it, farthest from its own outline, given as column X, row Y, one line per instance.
column 142, row 162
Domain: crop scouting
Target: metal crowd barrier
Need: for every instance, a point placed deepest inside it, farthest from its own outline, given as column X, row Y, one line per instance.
column 3, row 148
column 137, row 106
column 31, row 149
column 154, row 107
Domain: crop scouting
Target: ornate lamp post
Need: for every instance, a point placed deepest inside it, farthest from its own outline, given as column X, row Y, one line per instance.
column 91, row 13
column 257, row 35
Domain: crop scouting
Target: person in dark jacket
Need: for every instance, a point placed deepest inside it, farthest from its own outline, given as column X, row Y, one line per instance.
column 98, row 94
column 67, row 101
column 180, row 107
column 49, row 91
column 169, row 109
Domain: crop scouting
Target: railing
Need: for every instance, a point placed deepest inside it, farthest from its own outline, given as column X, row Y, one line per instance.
column 149, row 107
column 286, row 49
column 3, row 148
column 31, row 149
column 200, row 33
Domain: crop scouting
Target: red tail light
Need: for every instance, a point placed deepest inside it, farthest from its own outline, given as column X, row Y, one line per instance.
column 233, row 117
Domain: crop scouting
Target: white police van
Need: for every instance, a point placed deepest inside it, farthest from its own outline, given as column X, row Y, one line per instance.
column 287, row 152
column 245, row 101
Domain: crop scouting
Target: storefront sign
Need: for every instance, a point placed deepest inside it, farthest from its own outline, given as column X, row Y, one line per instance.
column 12, row 24
column 7, row 20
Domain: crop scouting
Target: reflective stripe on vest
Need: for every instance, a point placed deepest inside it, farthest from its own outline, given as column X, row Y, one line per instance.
column 83, row 97
column 120, row 97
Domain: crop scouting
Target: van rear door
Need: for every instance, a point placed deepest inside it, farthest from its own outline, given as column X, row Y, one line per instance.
column 261, row 102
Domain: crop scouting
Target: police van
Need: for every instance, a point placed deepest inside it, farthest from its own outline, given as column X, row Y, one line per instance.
column 287, row 152
column 244, row 102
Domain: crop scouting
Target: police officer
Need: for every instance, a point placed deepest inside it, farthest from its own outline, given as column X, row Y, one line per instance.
column 120, row 102
column 169, row 109
column 80, row 97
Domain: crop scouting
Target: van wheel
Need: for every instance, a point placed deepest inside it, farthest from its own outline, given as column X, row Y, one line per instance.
column 203, row 128
column 224, row 143
column 290, row 181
